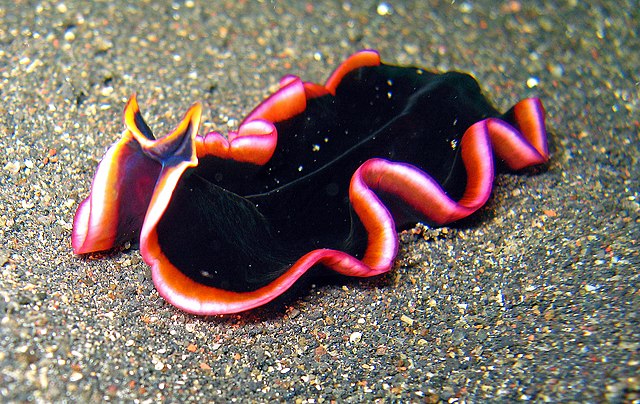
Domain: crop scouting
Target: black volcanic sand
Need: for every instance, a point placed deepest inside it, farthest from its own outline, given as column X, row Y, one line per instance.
column 536, row 297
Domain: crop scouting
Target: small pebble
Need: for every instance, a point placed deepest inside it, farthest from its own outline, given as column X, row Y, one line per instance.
column 384, row 9
column 406, row 319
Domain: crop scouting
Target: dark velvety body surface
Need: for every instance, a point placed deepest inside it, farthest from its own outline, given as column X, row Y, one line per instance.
column 238, row 226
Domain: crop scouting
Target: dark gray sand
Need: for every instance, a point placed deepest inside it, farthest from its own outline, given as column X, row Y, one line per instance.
column 536, row 298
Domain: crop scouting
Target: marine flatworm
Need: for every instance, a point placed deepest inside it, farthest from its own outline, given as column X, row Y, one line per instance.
column 316, row 175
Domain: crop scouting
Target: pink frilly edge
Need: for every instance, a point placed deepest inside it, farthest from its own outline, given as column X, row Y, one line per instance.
column 124, row 181
column 256, row 138
column 93, row 229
